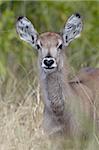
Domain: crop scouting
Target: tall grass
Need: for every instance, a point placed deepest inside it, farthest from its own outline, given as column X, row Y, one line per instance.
column 21, row 107
column 21, row 111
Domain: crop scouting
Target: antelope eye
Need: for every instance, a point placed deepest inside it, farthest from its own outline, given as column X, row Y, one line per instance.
column 60, row 46
column 38, row 46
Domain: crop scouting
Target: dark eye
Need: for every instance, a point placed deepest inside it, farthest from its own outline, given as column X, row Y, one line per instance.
column 60, row 46
column 38, row 46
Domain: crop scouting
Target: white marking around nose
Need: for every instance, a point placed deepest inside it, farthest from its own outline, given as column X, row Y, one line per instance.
column 53, row 65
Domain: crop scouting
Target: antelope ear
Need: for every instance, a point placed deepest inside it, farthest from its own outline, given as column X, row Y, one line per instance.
column 26, row 31
column 72, row 29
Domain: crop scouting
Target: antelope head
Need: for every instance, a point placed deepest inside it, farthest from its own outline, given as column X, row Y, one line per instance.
column 50, row 45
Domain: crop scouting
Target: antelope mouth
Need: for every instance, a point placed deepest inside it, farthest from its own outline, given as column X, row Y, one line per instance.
column 49, row 68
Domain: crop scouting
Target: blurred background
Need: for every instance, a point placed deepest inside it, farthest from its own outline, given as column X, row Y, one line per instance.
column 47, row 16
column 20, row 97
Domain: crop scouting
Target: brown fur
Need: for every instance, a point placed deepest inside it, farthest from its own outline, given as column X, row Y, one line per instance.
column 63, row 101
column 90, row 78
column 67, row 104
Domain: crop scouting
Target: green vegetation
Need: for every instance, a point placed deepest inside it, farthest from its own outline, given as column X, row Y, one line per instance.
column 48, row 16
column 20, row 104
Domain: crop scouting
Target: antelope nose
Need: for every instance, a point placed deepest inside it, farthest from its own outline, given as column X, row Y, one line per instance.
column 48, row 62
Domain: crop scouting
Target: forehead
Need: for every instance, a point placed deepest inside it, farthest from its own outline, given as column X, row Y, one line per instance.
column 50, row 39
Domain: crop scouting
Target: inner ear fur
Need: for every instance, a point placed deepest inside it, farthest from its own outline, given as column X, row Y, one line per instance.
column 26, row 31
column 72, row 28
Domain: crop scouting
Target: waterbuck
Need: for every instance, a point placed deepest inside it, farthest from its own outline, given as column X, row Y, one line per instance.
column 67, row 104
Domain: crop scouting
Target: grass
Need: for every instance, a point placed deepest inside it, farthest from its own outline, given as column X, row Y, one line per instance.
column 21, row 111
column 21, row 107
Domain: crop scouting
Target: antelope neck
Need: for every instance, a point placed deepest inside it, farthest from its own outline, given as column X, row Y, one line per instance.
column 54, row 93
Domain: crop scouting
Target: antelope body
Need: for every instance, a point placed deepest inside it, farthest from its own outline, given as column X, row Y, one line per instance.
column 65, row 102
